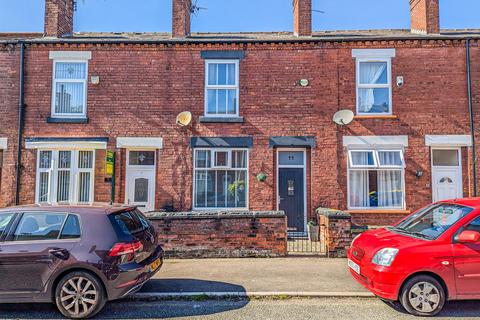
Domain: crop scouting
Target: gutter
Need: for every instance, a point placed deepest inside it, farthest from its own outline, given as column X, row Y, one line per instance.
column 472, row 122
column 21, row 108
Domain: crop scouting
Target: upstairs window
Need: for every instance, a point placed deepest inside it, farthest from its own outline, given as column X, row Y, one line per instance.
column 221, row 88
column 69, row 89
column 374, row 81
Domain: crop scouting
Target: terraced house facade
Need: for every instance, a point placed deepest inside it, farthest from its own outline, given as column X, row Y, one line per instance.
column 261, row 135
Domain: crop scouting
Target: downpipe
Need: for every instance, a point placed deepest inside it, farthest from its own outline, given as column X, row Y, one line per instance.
column 21, row 108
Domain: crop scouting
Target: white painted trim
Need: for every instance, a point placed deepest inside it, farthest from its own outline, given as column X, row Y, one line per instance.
column 55, row 145
column 373, row 53
column 236, row 87
column 458, row 168
column 304, row 167
column 365, row 141
column 3, row 143
column 145, row 171
column 388, row 85
column 247, row 182
column 139, row 142
column 448, row 140
column 75, row 55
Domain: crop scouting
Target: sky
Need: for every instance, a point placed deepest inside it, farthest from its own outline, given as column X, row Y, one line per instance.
column 234, row 15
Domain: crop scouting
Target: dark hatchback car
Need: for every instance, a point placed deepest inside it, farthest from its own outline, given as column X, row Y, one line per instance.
column 77, row 257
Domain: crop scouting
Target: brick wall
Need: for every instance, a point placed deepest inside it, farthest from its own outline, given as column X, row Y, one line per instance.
column 143, row 87
column 217, row 235
column 425, row 16
column 58, row 18
column 9, row 79
column 337, row 234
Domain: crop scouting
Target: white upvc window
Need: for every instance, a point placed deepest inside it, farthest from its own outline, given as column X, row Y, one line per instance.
column 220, row 179
column 69, row 92
column 65, row 176
column 222, row 88
column 376, row 179
column 374, row 81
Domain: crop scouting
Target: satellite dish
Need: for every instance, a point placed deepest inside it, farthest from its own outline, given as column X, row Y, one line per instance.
column 343, row 117
column 184, row 118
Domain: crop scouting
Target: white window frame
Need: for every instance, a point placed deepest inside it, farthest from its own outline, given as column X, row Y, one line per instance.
column 377, row 167
column 225, row 87
column 54, row 88
column 374, row 86
column 212, row 168
column 74, row 177
column 228, row 165
column 374, row 154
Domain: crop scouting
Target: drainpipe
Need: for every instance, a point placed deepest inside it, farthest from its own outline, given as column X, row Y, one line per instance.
column 21, row 107
column 470, row 110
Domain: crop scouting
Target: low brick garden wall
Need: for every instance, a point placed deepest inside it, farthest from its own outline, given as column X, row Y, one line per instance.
column 222, row 234
column 337, row 233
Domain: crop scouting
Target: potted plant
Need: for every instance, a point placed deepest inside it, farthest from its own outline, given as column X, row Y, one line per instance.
column 313, row 230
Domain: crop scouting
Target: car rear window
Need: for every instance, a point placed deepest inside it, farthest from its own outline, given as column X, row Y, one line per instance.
column 129, row 222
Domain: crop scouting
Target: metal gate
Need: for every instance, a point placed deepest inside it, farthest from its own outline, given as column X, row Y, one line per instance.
column 310, row 242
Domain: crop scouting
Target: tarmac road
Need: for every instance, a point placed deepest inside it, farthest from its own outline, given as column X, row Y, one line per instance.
column 265, row 309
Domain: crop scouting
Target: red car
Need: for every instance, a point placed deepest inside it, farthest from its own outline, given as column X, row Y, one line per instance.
column 429, row 257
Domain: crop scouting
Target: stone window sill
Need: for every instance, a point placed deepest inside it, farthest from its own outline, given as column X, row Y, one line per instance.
column 380, row 211
column 362, row 117
column 204, row 119
column 66, row 120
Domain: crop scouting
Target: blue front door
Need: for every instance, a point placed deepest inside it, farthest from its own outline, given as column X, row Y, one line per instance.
column 292, row 197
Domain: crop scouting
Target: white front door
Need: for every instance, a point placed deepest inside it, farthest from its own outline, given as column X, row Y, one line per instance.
column 140, row 181
column 446, row 174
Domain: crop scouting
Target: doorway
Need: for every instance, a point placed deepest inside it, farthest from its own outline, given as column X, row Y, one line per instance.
column 446, row 174
column 140, row 179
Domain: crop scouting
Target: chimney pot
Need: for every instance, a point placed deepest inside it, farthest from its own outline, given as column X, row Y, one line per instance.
column 425, row 16
column 58, row 18
column 181, row 13
column 302, row 18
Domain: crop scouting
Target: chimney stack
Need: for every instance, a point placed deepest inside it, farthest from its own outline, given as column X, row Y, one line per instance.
column 181, row 18
column 425, row 16
column 302, row 18
column 58, row 18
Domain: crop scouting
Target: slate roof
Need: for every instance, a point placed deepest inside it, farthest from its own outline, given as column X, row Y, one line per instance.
column 243, row 37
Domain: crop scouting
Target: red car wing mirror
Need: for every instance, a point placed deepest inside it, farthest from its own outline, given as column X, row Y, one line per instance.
column 469, row 236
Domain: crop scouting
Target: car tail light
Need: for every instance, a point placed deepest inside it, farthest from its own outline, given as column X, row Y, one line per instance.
column 121, row 249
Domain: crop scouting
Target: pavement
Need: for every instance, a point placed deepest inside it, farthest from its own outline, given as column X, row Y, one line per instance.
column 275, row 277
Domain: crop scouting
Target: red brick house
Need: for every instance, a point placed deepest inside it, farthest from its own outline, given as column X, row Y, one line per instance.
column 261, row 135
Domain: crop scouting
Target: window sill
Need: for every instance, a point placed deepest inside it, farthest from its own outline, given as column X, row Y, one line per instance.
column 66, row 120
column 380, row 211
column 204, row 119
column 361, row 117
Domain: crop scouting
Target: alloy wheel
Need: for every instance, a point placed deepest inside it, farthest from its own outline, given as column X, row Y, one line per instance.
column 424, row 297
column 78, row 296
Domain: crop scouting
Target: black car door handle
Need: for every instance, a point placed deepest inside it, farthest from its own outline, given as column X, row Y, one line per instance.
column 59, row 253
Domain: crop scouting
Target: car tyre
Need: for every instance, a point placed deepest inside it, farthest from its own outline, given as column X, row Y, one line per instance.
column 423, row 296
column 80, row 295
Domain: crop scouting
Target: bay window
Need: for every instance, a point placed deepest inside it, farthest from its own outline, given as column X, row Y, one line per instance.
column 376, row 179
column 220, row 178
column 65, row 176
column 221, row 88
